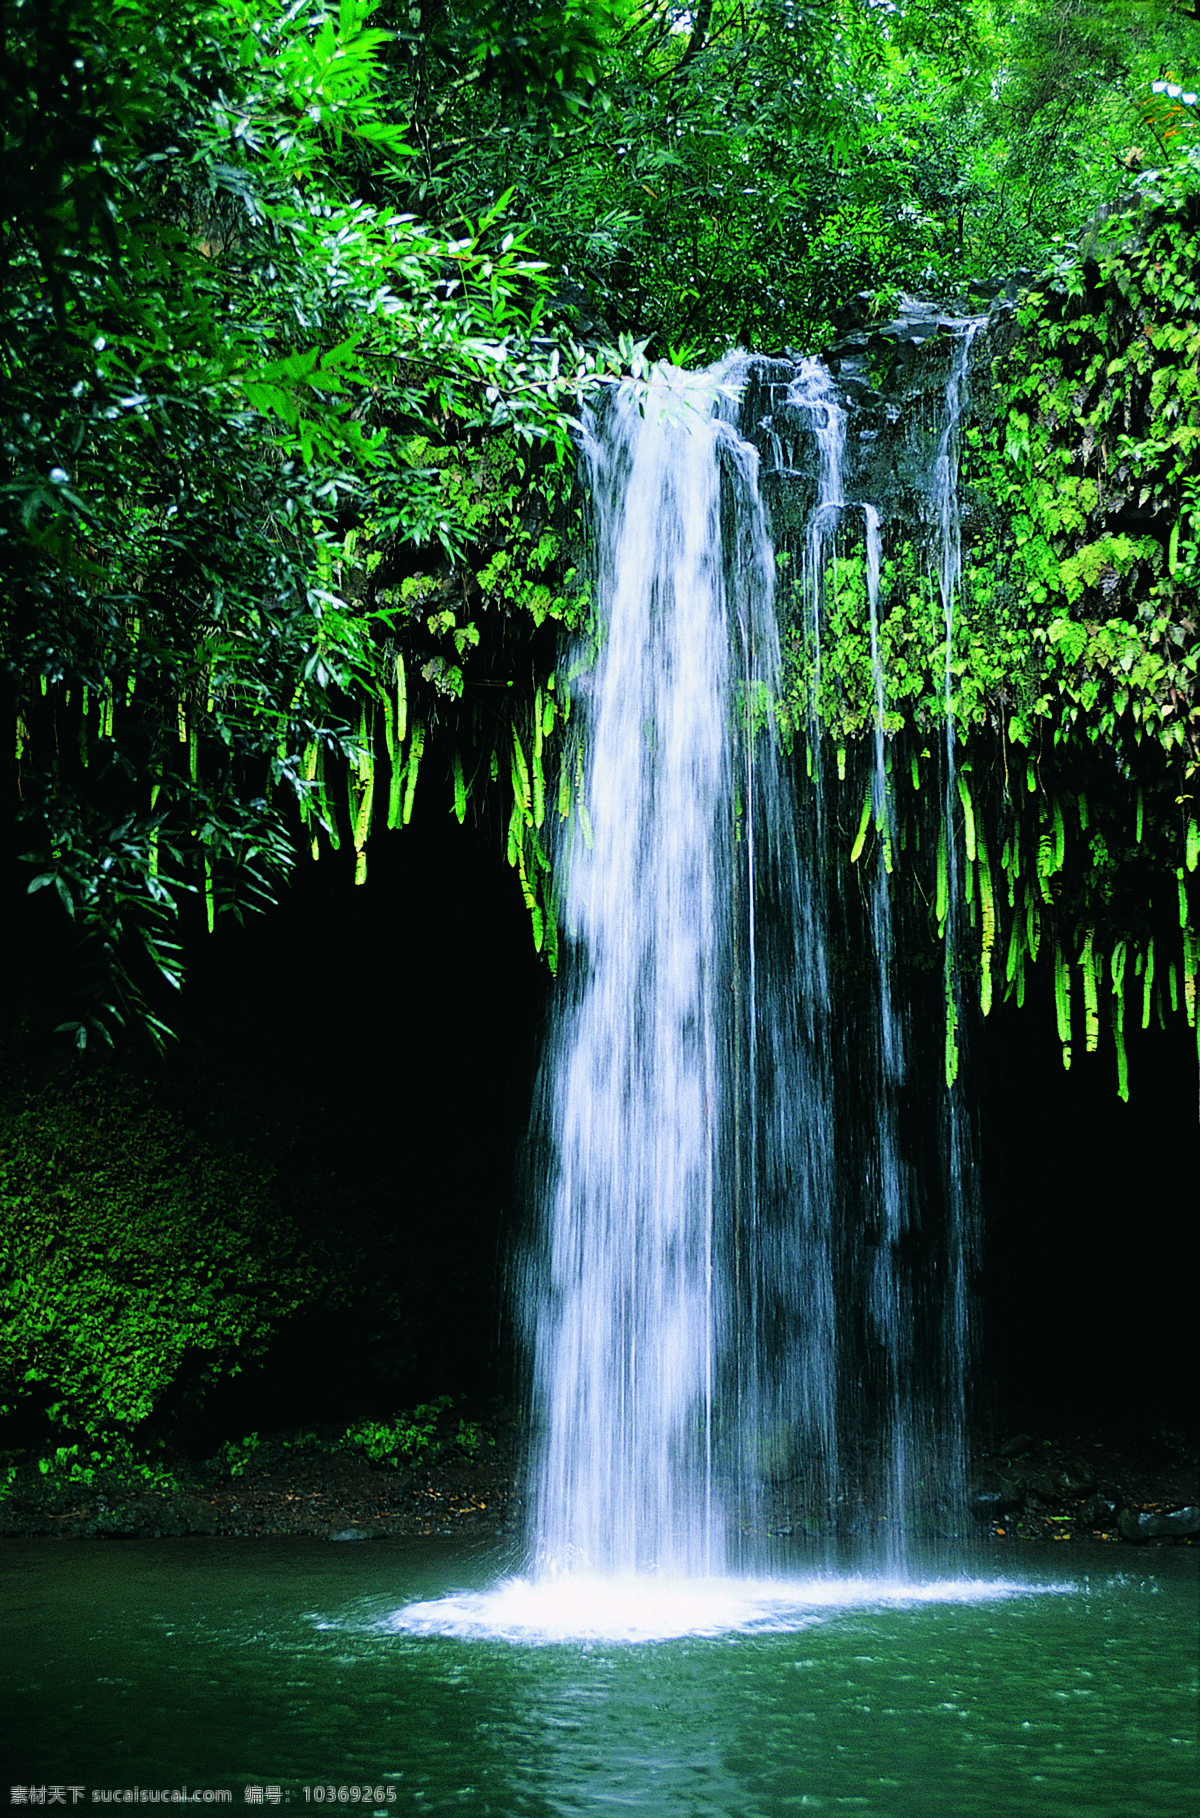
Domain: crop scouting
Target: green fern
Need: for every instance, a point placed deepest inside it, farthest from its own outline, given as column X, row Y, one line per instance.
column 1062, row 1003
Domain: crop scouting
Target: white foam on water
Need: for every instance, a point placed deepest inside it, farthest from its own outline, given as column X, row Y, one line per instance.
column 641, row 1607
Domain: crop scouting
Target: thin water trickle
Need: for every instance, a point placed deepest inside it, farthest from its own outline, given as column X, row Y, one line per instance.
column 949, row 571
column 814, row 394
column 889, row 1303
column 962, row 1223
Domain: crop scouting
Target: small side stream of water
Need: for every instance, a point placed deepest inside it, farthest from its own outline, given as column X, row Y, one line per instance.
column 213, row 1664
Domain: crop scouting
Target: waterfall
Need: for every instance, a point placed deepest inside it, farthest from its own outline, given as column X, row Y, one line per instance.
column 883, row 1431
column 627, row 1325
column 722, row 1306
column 676, row 1367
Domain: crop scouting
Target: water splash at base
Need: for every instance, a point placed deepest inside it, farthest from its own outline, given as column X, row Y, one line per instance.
column 642, row 1608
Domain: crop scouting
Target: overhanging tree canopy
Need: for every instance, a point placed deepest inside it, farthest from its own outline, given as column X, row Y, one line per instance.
column 222, row 371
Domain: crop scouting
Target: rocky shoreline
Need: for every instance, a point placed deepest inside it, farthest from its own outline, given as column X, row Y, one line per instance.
column 1063, row 1488
column 334, row 1499
column 1071, row 1488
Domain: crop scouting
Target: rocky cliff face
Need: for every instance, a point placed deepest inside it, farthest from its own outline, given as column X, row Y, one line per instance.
column 890, row 378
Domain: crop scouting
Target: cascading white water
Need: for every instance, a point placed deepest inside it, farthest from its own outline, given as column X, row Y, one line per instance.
column 719, row 1300
column 680, row 1302
column 630, row 1320
column 688, row 1351
column 813, row 395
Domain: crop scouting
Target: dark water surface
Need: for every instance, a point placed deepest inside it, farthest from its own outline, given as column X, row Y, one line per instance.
column 217, row 1664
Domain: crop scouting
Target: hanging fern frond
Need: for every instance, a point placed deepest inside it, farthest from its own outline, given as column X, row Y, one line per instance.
column 416, row 746
column 987, row 911
column 1091, row 1003
column 864, row 823
column 1060, row 836
column 942, row 891
column 964, row 792
column 1118, row 1015
column 1062, row 1002
column 951, row 1054
column 537, row 779
column 1147, row 983
column 522, row 790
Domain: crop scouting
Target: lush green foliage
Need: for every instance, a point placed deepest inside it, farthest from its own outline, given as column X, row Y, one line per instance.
column 742, row 171
column 115, row 1463
column 421, row 1435
column 1074, row 670
column 285, row 496
column 139, row 1260
column 225, row 374
column 161, row 1238
column 89, row 1466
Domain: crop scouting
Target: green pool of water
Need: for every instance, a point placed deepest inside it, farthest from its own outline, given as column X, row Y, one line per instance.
column 148, row 1666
